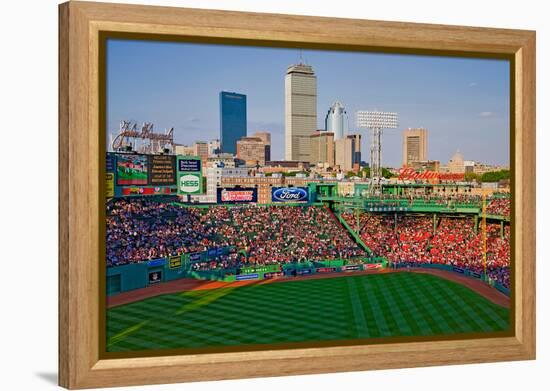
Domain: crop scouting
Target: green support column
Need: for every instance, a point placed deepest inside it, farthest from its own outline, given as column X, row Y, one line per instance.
column 502, row 229
column 434, row 222
column 476, row 222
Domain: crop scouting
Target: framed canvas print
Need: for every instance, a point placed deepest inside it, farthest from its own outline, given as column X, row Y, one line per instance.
column 247, row 195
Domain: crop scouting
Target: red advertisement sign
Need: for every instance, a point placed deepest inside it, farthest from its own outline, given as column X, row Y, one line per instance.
column 410, row 174
column 236, row 195
column 326, row 269
column 145, row 190
column 372, row 266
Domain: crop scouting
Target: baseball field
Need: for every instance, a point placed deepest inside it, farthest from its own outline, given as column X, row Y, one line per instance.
column 339, row 308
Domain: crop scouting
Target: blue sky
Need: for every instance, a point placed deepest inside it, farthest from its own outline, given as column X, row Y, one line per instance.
column 464, row 103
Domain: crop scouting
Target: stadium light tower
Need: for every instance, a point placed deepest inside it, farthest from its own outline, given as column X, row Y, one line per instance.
column 376, row 121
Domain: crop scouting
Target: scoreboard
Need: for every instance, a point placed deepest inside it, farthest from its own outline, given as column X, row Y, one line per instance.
column 132, row 174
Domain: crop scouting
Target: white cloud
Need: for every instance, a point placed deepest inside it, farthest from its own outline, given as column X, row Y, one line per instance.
column 472, row 84
column 487, row 114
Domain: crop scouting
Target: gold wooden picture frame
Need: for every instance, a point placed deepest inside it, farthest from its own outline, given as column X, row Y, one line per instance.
column 83, row 28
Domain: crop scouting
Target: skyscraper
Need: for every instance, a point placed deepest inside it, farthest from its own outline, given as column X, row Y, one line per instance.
column 232, row 120
column 266, row 138
column 300, row 111
column 348, row 152
column 251, row 150
column 336, row 121
column 415, row 145
column 322, row 148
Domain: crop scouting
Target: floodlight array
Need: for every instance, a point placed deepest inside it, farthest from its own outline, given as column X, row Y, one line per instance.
column 376, row 120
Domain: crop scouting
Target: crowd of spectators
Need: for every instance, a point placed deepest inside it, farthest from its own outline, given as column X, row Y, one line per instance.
column 499, row 206
column 413, row 240
column 143, row 229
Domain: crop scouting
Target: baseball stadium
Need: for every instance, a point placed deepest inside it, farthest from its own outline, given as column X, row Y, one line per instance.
column 320, row 261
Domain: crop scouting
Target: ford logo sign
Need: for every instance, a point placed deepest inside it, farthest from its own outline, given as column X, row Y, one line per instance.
column 289, row 194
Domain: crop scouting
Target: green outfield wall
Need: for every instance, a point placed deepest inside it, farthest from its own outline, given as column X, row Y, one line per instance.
column 141, row 275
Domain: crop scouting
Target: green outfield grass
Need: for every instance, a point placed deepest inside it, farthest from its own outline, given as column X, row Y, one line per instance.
column 342, row 308
column 132, row 175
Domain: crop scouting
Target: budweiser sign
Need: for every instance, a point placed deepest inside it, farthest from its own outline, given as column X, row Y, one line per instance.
column 410, row 174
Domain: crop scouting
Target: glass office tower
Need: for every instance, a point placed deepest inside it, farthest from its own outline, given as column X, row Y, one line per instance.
column 232, row 120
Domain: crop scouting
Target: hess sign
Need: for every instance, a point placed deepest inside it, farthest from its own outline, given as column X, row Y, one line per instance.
column 190, row 183
column 289, row 194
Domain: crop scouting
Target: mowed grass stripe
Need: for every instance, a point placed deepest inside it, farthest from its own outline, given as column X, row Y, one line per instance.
column 454, row 300
column 375, row 310
column 374, row 330
column 440, row 299
column 361, row 328
column 405, row 319
column 477, row 305
column 307, row 310
column 495, row 315
column 387, row 313
column 257, row 331
column 420, row 310
column 179, row 329
column 413, row 312
column 166, row 332
column 224, row 328
column 452, row 317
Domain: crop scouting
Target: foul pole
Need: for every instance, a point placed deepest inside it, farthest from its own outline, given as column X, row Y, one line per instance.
column 484, row 231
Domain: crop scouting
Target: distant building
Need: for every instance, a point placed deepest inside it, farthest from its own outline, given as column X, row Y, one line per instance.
column 336, row 121
column 300, row 111
column 275, row 166
column 426, row 165
column 214, row 147
column 348, row 152
column 222, row 160
column 214, row 176
column 415, row 145
column 296, row 164
column 322, row 148
column 456, row 164
column 184, row 150
column 200, row 148
column 469, row 166
column 232, row 120
column 266, row 138
column 251, row 150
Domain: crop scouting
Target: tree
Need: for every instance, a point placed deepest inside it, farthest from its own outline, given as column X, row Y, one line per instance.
column 386, row 173
column 495, row 176
column 472, row 176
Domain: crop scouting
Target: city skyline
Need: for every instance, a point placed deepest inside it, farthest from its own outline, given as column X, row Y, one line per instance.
column 464, row 103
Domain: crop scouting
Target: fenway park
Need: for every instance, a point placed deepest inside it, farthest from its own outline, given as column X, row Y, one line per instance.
column 291, row 260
